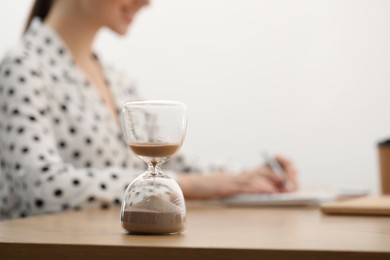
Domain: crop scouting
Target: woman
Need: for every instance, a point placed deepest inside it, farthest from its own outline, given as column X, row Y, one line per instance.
column 61, row 142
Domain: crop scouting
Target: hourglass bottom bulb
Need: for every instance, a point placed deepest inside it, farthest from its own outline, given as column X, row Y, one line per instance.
column 153, row 215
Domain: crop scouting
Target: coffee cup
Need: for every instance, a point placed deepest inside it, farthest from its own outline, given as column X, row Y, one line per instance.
column 384, row 162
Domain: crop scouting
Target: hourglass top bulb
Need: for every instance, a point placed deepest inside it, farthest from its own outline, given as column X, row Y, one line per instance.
column 154, row 149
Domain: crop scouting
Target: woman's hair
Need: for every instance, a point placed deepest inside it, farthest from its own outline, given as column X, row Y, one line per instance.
column 39, row 9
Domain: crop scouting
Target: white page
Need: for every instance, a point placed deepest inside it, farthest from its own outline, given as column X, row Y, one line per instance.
column 299, row 198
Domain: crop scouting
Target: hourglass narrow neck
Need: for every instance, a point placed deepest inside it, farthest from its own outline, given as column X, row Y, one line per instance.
column 154, row 169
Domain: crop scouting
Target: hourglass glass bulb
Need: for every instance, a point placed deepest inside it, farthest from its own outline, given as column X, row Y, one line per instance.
column 153, row 202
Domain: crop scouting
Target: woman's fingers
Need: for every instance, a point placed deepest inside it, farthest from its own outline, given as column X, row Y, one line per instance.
column 254, row 182
column 263, row 185
column 227, row 185
column 290, row 170
column 271, row 175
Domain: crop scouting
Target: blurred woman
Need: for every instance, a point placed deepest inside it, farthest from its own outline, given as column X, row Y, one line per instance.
column 61, row 141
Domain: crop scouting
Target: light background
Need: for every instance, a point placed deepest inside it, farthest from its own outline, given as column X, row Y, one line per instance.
column 307, row 78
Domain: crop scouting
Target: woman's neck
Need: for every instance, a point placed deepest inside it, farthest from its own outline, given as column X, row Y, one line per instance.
column 76, row 29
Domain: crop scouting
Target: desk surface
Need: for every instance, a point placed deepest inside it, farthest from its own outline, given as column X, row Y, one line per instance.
column 212, row 232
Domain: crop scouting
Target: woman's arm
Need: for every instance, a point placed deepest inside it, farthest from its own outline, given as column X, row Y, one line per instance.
column 215, row 185
column 31, row 163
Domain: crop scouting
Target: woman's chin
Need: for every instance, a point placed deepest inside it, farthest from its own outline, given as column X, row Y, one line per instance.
column 121, row 29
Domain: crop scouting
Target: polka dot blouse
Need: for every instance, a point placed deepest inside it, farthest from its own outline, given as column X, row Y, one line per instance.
column 60, row 148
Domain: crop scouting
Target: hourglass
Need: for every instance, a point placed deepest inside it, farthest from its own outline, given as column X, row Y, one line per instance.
column 154, row 131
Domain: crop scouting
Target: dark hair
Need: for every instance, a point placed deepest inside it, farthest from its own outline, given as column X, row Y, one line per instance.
column 40, row 9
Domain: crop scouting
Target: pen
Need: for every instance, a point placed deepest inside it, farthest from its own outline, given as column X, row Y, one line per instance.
column 275, row 166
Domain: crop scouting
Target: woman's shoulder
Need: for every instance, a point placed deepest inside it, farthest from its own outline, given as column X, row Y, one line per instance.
column 19, row 60
column 20, row 72
column 38, row 48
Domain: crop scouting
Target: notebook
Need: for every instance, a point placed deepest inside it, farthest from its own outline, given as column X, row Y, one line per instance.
column 372, row 205
column 299, row 198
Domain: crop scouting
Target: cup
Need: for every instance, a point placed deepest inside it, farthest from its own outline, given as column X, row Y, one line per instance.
column 384, row 162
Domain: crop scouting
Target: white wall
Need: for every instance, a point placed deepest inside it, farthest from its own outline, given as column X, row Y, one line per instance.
column 307, row 78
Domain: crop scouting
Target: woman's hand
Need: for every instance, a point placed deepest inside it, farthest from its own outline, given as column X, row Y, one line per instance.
column 257, row 180
column 289, row 178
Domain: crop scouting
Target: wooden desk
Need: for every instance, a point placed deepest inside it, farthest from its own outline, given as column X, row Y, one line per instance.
column 212, row 233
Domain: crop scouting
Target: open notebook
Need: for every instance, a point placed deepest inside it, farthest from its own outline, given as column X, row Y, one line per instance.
column 299, row 198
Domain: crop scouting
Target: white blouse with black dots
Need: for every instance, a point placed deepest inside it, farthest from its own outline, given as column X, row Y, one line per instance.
column 60, row 148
